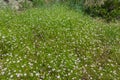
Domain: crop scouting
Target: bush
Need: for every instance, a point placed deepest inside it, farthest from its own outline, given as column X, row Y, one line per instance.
column 107, row 9
column 38, row 3
column 25, row 4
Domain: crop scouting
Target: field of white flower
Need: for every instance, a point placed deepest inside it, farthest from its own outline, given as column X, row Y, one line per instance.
column 57, row 43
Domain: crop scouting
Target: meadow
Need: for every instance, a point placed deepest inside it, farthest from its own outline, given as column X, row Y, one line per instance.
column 57, row 43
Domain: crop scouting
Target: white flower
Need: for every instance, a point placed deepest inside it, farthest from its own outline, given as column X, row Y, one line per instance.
column 18, row 74
column 18, row 61
column 53, row 69
column 3, row 73
column 49, row 66
column 11, row 76
column 3, row 37
column 58, row 77
column 25, row 74
column 37, row 74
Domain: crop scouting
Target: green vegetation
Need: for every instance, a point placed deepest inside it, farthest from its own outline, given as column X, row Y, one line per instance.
column 57, row 43
column 107, row 9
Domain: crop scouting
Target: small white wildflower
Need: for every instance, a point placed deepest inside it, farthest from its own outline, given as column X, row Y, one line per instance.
column 7, row 60
column 30, row 64
column 91, row 78
column 49, row 66
column 23, row 66
column 3, row 73
column 14, row 70
column 37, row 74
column 25, row 74
column 101, row 74
column 18, row 74
column 53, row 69
column 114, row 72
column 58, row 77
column 18, row 61
column 20, row 71
column 34, row 71
column 58, row 70
column 13, row 61
column 11, row 76
column 100, row 68
column 3, row 37
column 49, row 54
column 69, row 74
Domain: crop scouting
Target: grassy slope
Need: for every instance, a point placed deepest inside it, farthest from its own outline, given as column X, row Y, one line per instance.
column 57, row 44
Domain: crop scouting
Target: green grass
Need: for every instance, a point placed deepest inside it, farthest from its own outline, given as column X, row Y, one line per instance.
column 57, row 43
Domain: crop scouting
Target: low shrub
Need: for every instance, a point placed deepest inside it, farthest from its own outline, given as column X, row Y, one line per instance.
column 108, row 9
column 38, row 3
